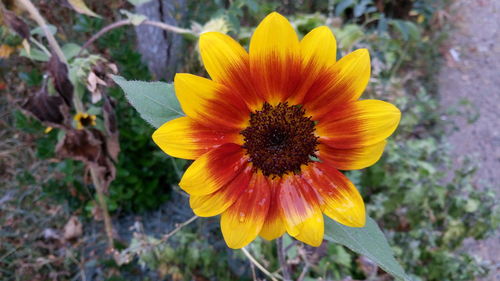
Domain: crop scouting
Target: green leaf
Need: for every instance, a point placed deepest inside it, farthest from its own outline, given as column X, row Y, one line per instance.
column 70, row 50
column 39, row 31
column 368, row 241
column 35, row 54
column 155, row 101
column 138, row 2
column 136, row 19
column 407, row 29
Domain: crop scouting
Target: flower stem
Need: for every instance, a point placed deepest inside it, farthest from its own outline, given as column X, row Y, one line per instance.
column 33, row 11
column 121, row 23
column 102, row 204
column 181, row 225
column 282, row 259
column 258, row 265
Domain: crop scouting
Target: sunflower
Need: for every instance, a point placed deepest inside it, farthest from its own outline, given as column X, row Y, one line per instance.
column 271, row 130
column 84, row 120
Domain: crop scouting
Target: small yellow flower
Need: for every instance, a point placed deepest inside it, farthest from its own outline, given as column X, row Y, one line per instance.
column 48, row 130
column 420, row 18
column 84, row 120
column 6, row 51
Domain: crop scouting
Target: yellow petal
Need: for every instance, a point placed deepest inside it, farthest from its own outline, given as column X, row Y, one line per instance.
column 297, row 202
column 275, row 58
column 358, row 124
column 318, row 48
column 352, row 158
column 274, row 226
column 222, row 56
column 242, row 222
column 209, row 103
column 185, row 138
column 213, row 170
column 318, row 53
column 340, row 200
column 345, row 81
column 215, row 203
column 274, row 36
column 312, row 229
column 354, row 72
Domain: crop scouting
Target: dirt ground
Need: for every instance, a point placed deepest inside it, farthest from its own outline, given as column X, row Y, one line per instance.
column 472, row 73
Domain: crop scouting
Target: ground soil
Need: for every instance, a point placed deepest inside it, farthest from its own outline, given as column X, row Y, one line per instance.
column 472, row 74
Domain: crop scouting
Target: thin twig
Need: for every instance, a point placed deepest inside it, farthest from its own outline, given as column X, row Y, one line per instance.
column 254, row 274
column 80, row 265
column 258, row 265
column 306, row 267
column 282, row 259
column 103, row 31
column 168, row 27
column 305, row 270
column 9, row 253
column 121, row 23
column 102, row 204
column 181, row 225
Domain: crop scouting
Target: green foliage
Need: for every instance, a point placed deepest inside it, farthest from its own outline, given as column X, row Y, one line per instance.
column 144, row 174
column 368, row 241
column 155, row 101
column 189, row 255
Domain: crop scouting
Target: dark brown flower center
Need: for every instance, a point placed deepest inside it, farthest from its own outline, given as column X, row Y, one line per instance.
column 86, row 121
column 280, row 139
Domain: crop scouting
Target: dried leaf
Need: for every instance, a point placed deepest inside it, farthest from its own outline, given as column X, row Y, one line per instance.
column 59, row 73
column 16, row 23
column 73, row 229
column 99, row 78
column 48, row 109
column 113, row 67
column 82, row 8
column 90, row 147
column 92, row 85
column 111, row 126
column 81, row 145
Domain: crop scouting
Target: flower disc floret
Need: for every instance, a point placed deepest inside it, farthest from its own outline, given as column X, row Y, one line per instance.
column 280, row 139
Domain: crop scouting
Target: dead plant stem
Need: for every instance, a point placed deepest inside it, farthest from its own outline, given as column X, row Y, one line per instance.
column 37, row 17
column 121, row 23
column 258, row 265
column 282, row 259
column 102, row 204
